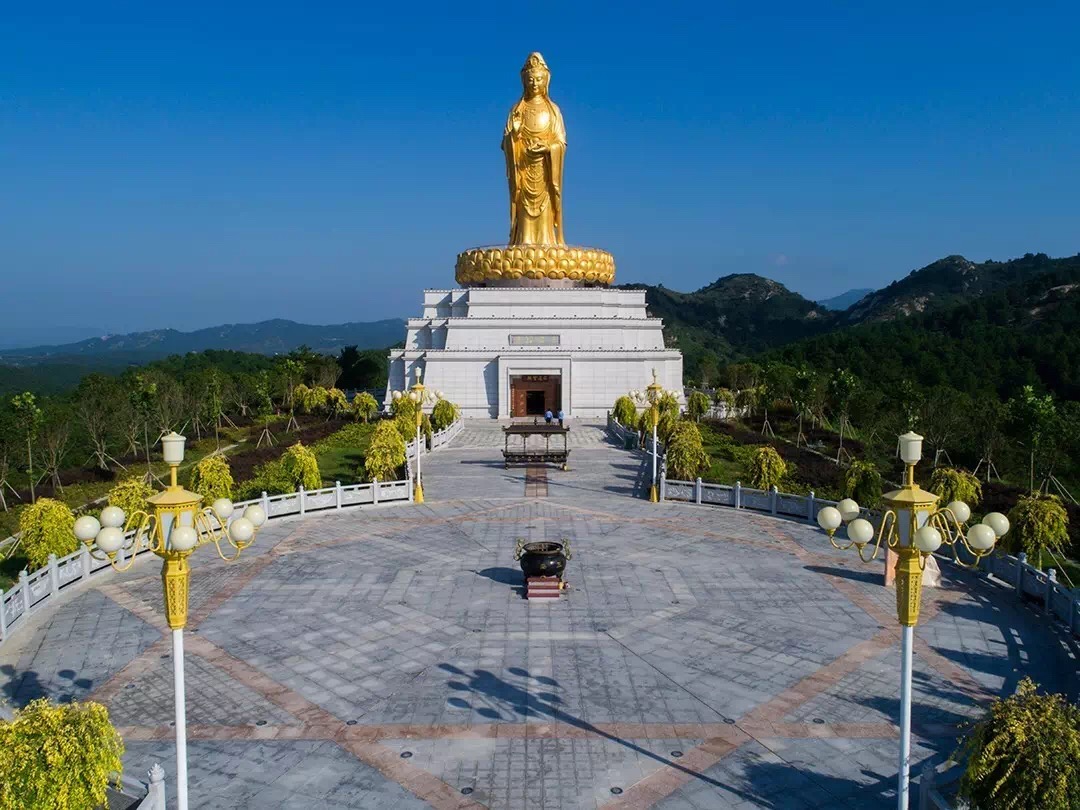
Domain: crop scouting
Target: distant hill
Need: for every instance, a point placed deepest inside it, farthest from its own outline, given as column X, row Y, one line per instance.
column 744, row 315
column 949, row 281
column 844, row 300
column 993, row 339
column 268, row 337
column 734, row 316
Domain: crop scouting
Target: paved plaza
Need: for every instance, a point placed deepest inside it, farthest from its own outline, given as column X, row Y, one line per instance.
column 386, row 657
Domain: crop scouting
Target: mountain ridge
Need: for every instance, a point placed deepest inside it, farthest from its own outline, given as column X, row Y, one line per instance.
column 744, row 314
column 274, row 336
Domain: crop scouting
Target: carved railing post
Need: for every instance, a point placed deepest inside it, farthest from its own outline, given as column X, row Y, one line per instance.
column 155, row 790
column 54, row 575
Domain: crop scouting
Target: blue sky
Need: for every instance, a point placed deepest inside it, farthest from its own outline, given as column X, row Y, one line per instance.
column 325, row 162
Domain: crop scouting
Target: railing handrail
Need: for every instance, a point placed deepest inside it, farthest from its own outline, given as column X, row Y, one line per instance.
column 19, row 601
column 55, row 572
column 1028, row 581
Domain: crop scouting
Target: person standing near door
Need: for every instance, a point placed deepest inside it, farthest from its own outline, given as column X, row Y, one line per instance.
column 547, row 416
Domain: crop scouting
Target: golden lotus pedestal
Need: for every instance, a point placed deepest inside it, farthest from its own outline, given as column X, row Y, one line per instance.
column 534, row 265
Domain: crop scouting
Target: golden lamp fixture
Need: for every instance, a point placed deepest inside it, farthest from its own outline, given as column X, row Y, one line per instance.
column 172, row 527
column 534, row 146
column 914, row 527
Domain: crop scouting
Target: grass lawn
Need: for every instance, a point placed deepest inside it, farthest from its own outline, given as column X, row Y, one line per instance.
column 341, row 455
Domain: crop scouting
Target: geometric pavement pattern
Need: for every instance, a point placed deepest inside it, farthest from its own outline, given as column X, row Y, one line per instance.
column 386, row 657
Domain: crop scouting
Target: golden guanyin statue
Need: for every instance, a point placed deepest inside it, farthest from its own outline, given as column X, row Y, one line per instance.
column 534, row 146
column 534, row 142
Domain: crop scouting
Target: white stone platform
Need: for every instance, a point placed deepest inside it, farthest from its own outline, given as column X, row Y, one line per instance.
column 598, row 343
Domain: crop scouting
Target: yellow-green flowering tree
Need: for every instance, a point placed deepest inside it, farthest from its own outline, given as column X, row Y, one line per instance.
column 212, row 478
column 58, row 757
column 956, row 485
column 130, row 495
column 364, row 406
column 686, row 456
column 47, row 527
column 669, row 404
column 625, row 411
column 386, row 453
column 301, row 467
column 1038, row 523
column 766, row 468
column 862, row 482
column 444, row 414
column 301, row 395
column 1026, row 754
column 336, row 402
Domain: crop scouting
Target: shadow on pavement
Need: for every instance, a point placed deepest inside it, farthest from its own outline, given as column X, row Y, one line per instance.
column 494, row 698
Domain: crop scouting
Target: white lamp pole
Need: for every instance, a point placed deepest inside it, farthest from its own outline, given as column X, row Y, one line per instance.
column 915, row 527
column 175, row 524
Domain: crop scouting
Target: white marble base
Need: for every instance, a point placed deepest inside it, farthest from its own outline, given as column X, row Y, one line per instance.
column 469, row 342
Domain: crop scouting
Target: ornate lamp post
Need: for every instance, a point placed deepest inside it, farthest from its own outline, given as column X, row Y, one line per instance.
column 172, row 527
column 654, row 392
column 419, row 395
column 416, row 394
column 914, row 526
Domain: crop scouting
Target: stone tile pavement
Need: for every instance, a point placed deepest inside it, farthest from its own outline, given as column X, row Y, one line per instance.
column 385, row 658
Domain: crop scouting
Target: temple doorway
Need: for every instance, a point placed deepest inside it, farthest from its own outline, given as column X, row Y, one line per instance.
column 533, row 394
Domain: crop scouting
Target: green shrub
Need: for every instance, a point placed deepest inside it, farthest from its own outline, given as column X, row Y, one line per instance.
column 364, row 406
column 644, row 423
column 444, row 414
column 766, row 469
column 336, row 404
column 862, row 482
column 386, row 453
column 130, row 495
column 686, row 457
column 1028, row 747
column 956, row 485
column 47, row 527
column 312, row 399
column 697, row 404
column 59, row 757
column 625, row 411
column 406, row 426
column 212, row 478
column 1038, row 523
column 403, row 406
column 270, row 478
column 301, row 467
column 426, row 429
column 302, row 397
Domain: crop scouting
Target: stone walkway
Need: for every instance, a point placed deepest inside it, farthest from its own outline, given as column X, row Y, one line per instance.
column 385, row 658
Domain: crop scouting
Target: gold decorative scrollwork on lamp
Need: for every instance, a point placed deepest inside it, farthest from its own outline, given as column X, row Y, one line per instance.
column 915, row 527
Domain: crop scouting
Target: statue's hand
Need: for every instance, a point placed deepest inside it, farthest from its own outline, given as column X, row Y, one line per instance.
column 537, row 147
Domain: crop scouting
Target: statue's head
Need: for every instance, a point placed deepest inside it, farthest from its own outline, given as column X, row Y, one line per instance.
column 535, row 76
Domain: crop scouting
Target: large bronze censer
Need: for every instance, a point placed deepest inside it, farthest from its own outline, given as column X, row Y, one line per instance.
column 545, row 558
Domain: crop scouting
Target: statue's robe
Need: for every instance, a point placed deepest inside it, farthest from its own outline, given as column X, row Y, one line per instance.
column 535, row 179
